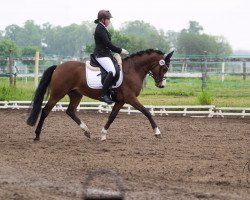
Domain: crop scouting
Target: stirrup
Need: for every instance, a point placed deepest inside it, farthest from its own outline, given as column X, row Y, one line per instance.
column 106, row 99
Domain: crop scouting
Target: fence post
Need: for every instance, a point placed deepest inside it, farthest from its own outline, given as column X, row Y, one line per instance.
column 36, row 68
column 244, row 71
column 145, row 83
column 204, row 76
column 223, row 71
column 26, row 72
column 11, row 64
column 183, row 69
column 81, row 55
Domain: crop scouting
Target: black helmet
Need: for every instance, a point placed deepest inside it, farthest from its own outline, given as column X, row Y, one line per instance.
column 104, row 14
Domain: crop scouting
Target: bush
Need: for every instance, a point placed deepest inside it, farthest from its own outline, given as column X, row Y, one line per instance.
column 3, row 93
column 12, row 93
column 205, row 98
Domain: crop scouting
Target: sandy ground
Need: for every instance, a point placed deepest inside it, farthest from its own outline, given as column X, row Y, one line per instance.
column 197, row 158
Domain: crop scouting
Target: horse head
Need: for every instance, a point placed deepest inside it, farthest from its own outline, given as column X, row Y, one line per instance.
column 159, row 70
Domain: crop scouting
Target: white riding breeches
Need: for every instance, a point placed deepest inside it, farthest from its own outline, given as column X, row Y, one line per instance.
column 107, row 64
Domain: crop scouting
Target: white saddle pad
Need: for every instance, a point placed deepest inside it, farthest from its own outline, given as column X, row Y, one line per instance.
column 94, row 81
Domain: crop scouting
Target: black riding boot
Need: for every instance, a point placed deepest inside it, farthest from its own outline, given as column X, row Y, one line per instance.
column 105, row 90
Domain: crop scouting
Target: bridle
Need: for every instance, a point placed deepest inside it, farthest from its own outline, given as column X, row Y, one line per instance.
column 163, row 65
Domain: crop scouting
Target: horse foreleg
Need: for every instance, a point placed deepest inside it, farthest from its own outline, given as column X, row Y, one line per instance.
column 111, row 118
column 75, row 99
column 137, row 105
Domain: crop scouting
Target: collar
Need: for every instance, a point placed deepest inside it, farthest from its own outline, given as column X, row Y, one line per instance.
column 102, row 24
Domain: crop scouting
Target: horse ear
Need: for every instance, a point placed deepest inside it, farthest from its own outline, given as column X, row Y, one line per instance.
column 168, row 56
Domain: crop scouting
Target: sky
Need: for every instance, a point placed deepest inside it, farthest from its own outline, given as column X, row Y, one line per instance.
column 228, row 18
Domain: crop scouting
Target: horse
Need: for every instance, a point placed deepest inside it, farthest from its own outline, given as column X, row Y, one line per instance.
column 69, row 78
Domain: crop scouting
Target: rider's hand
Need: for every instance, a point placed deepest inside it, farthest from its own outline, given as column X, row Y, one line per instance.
column 124, row 52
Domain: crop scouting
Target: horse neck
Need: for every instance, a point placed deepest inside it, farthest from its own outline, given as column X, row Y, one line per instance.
column 141, row 65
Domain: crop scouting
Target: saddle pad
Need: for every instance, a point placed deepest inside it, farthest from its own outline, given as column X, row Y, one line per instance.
column 94, row 81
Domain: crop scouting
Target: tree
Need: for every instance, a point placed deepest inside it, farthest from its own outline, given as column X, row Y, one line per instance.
column 13, row 32
column 133, row 36
column 222, row 46
column 29, row 35
column 1, row 34
column 32, row 34
column 146, row 35
column 5, row 47
column 68, row 40
column 194, row 28
column 29, row 52
column 172, row 38
column 121, row 40
column 191, row 41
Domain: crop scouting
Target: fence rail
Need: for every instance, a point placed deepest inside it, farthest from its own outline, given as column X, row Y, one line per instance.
column 195, row 111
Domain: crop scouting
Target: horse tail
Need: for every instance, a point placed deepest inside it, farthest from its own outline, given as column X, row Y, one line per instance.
column 39, row 95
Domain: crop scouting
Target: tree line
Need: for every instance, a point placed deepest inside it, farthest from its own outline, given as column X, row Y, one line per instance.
column 134, row 36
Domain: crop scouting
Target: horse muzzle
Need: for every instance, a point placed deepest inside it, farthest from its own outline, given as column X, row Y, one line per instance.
column 161, row 84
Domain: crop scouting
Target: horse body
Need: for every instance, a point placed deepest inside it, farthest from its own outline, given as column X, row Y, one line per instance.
column 69, row 79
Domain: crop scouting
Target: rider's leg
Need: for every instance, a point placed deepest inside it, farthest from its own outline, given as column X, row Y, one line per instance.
column 105, row 89
column 108, row 65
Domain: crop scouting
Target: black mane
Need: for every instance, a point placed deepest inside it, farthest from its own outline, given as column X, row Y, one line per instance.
column 147, row 51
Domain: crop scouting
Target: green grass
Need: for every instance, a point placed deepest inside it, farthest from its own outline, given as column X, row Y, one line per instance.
column 205, row 98
column 192, row 100
column 22, row 91
column 234, row 91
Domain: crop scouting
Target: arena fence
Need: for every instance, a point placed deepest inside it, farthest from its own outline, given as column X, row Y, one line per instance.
column 194, row 111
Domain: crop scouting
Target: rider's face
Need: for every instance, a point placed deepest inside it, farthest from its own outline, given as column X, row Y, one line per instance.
column 106, row 22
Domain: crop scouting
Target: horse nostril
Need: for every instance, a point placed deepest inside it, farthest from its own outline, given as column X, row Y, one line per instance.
column 161, row 86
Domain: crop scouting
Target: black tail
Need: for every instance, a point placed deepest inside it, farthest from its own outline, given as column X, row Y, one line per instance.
column 39, row 95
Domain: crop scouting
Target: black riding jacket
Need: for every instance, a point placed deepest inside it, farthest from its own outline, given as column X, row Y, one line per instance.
column 103, row 43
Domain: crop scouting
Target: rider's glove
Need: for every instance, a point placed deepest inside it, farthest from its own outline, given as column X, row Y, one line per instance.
column 124, row 52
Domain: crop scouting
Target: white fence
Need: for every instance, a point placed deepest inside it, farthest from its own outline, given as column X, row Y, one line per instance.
column 195, row 111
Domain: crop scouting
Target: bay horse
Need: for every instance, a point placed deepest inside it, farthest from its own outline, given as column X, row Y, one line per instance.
column 69, row 78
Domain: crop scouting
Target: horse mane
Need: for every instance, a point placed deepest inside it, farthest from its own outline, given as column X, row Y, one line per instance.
column 147, row 51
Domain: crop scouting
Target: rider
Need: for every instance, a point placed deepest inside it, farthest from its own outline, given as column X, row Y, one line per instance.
column 103, row 50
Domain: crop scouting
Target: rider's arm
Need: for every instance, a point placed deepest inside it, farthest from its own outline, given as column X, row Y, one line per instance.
column 103, row 35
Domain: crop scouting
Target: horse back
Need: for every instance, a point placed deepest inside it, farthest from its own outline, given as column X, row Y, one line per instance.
column 69, row 74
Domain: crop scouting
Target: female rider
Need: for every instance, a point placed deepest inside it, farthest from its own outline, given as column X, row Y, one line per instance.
column 103, row 51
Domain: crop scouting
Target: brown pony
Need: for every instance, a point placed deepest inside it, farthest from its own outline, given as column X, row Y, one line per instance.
column 69, row 78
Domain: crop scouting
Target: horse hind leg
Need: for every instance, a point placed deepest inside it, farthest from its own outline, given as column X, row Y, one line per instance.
column 75, row 98
column 45, row 112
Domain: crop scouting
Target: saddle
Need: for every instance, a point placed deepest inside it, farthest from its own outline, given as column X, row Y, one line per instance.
column 95, row 75
column 93, row 65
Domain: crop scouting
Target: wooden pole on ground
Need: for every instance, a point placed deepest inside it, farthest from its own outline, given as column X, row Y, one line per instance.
column 36, row 68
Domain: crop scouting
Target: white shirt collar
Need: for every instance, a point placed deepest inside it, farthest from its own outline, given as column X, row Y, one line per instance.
column 102, row 24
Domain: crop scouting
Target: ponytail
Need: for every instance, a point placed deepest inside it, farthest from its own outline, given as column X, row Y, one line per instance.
column 96, row 21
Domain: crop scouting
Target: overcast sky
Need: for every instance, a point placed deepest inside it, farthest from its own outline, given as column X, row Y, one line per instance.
column 230, row 18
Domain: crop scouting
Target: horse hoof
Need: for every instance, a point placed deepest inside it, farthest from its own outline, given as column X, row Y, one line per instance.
column 158, row 136
column 36, row 140
column 87, row 134
column 103, row 138
column 157, row 133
